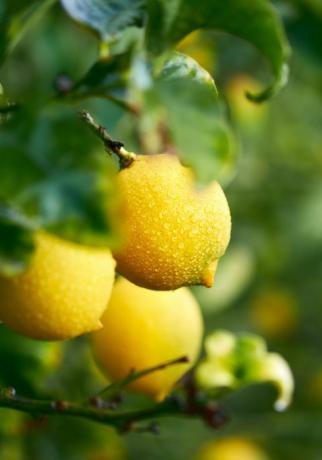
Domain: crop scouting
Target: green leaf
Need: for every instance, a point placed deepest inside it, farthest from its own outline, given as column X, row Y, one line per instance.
column 26, row 363
column 74, row 205
column 55, row 171
column 16, row 18
column 106, row 17
column 184, row 97
column 16, row 242
column 251, row 20
column 106, row 78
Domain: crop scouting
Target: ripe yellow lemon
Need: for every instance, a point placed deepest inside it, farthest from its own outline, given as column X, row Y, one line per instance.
column 62, row 294
column 144, row 328
column 231, row 449
column 173, row 233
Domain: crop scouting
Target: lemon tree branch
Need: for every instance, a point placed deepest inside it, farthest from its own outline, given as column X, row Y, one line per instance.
column 119, row 419
column 100, row 410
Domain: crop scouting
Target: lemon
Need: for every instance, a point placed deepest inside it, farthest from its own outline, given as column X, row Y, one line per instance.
column 144, row 328
column 173, row 233
column 231, row 449
column 62, row 294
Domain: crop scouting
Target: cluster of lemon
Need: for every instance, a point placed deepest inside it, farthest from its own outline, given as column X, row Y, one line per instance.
column 173, row 235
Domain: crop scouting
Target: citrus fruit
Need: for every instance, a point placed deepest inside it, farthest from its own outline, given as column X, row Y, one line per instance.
column 144, row 328
column 62, row 294
column 173, row 233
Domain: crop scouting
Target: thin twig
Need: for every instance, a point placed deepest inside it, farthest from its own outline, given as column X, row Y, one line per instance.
column 111, row 146
column 116, row 419
column 135, row 375
column 100, row 413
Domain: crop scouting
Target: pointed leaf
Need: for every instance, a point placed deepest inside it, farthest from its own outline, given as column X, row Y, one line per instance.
column 16, row 17
column 106, row 17
column 186, row 98
column 254, row 21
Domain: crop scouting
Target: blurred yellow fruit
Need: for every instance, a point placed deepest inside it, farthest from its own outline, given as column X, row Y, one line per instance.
column 200, row 49
column 313, row 388
column 231, row 449
column 274, row 313
column 144, row 328
column 62, row 294
column 245, row 111
column 174, row 234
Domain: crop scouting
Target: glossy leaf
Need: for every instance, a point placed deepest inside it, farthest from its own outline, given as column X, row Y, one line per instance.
column 106, row 17
column 64, row 182
column 74, row 205
column 254, row 21
column 186, row 98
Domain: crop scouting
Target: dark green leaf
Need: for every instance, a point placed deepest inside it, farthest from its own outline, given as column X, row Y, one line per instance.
column 251, row 20
column 305, row 27
column 74, row 205
column 16, row 242
column 26, row 363
column 185, row 97
column 16, row 18
column 106, row 78
column 106, row 17
column 57, row 173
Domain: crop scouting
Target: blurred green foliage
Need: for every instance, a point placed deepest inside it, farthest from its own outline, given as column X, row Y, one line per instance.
column 54, row 174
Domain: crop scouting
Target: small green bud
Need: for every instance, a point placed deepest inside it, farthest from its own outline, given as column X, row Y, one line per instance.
column 235, row 361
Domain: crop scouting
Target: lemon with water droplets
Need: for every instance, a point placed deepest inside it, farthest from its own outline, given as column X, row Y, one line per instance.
column 143, row 328
column 62, row 294
column 173, row 233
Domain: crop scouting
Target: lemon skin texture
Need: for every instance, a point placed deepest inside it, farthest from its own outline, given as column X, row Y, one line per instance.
column 173, row 234
column 62, row 294
column 144, row 328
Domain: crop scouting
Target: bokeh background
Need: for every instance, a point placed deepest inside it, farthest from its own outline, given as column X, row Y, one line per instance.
column 269, row 282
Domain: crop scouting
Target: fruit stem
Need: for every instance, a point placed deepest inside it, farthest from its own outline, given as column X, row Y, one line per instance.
column 111, row 146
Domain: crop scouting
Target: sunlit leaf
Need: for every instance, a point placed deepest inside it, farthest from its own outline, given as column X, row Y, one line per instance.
column 185, row 97
column 106, row 17
column 254, row 21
